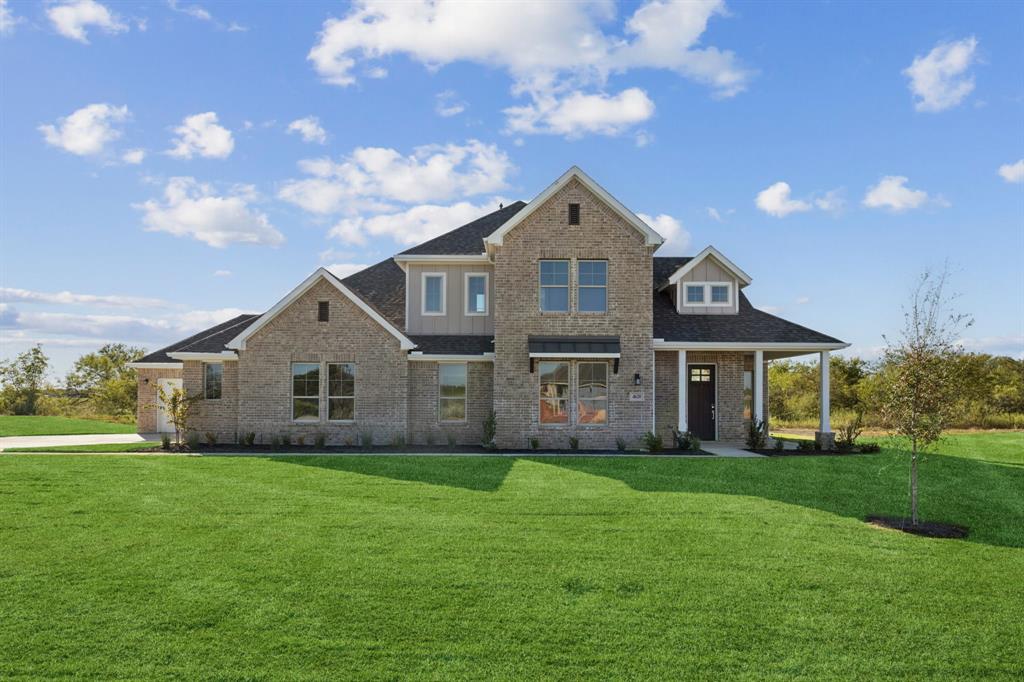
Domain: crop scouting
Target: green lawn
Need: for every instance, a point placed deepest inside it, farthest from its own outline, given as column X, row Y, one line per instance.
column 108, row 448
column 440, row 568
column 58, row 426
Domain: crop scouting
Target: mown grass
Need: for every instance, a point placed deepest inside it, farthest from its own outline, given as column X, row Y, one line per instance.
column 441, row 568
column 11, row 425
column 109, row 447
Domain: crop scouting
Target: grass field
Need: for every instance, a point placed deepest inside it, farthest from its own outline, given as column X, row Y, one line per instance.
column 404, row 567
column 57, row 426
column 108, row 448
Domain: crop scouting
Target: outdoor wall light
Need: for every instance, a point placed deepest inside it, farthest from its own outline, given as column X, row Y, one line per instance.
column 145, row 381
column 636, row 379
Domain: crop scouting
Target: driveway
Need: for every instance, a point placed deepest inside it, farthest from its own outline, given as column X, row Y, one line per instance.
column 91, row 439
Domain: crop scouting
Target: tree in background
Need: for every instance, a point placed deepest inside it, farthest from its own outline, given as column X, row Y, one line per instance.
column 921, row 370
column 105, row 381
column 22, row 381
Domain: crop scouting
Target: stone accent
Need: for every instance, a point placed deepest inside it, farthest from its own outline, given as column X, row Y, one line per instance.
column 295, row 335
column 424, row 427
column 546, row 234
column 218, row 416
column 145, row 414
column 825, row 440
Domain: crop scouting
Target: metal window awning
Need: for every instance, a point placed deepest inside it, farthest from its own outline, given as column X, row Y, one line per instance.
column 574, row 347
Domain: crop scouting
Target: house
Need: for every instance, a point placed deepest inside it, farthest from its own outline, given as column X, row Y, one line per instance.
column 556, row 314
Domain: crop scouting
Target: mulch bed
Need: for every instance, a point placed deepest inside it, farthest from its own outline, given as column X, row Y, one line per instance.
column 804, row 453
column 929, row 529
column 224, row 448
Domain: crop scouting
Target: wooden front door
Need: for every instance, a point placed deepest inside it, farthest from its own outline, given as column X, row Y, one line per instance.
column 700, row 398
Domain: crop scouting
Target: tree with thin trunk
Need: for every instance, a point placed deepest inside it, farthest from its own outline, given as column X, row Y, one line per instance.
column 178, row 405
column 919, row 370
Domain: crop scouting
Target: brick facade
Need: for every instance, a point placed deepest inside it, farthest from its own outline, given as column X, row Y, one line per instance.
column 424, row 427
column 217, row 416
column 145, row 414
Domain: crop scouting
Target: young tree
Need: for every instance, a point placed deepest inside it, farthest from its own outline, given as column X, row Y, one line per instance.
column 178, row 405
column 920, row 368
column 22, row 380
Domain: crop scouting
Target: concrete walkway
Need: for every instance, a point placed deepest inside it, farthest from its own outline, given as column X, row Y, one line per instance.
column 727, row 449
column 88, row 439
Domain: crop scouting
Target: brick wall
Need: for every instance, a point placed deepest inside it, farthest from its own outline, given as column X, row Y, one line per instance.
column 424, row 426
column 145, row 416
column 546, row 234
column 218, row 416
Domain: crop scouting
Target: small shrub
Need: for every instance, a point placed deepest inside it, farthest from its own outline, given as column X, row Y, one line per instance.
column 321, row 441
column 806, row 445
column 620, row 444
column 211, row 438
column 249, row 439
column 398, row 441
column 574, row 443
column 757, row 434
column 778, row 444
column 301, row 440
column 449, row 435
column 366, row 439
column 429, row 437
column 534, row 443
column 652, row 442
column 490, row 430
column 275, row 442
column 192, row 440
column 165, row 441
column 869, row 448
column 849, row 432
column 686, row 440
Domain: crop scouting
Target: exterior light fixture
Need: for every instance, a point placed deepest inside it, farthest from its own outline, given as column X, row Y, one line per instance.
column 636, row 379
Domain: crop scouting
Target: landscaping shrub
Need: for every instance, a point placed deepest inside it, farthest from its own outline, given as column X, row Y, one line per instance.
column 848, row 433
column 806, row 445
column 275, row 442
column 286, row 439
column 249, row 439
column 211, row 438
column 757, row 434
column 321, row 441
column 366, row 439
column 301, row 440
column 686, row 440
column 652, row 442
column 778, row 444
column 869, row 448
column 398, row 441
column 535, row 443
column 451, row 438
column 192, row 440
column 574, row 443
column 620, row 444
column 165, row 441
column 490, row 430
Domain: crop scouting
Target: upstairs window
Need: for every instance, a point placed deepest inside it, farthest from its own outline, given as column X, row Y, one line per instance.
column 593, row 286
column 213, row 375
column 695, row 294
column 574, row 214
column 434, row 293
column 476, row 293
column 554, row 286
column 451, row 393
column 323, row 311
column 718, row 294
column 305, row 391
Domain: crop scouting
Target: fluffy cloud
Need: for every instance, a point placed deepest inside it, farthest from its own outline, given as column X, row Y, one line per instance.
column 200, row 134
column 343, row 270
column 677, row 238
column 373, row 177
column 7, row 19
column 11, row 295
column 939, row 80
column 577, row 114
column 194, row 11
column 71, row 19
column 191, row 209
column 86, row 131
column 134, row 156
column 569, row 49
column 309, row 128
column 222, row 273
column 891, row 193
column 1012, row 172
column 832, row 201
column 121, row 327
column 776, row 201
column 413, row 225
column 448, row 104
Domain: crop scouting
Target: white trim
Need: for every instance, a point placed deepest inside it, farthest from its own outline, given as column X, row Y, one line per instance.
column 465, row 398
column 155, row 365
column 661, row 344
column 682, row 407
column 423, row 294
column 758, row 397
column 575, row 356
column 438, row 259
column 708, row 302
column 651, row 238
column 238, row 343
column 417, row 356
column 567, row 285
column 696, row 260
column 685, row 294
column 223, row 356
column 465, row 294
column 319, row 392
column 824, row 423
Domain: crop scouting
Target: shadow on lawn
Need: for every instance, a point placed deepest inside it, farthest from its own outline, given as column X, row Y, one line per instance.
column 472, row 473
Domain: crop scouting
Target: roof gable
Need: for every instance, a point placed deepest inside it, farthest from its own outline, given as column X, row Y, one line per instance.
column 709, row 252
column 651, row 238
column 467, row 240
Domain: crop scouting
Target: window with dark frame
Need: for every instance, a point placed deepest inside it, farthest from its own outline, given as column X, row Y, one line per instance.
column 305, row 391
column 574, row 214
column 323, row 311
column 213, row 380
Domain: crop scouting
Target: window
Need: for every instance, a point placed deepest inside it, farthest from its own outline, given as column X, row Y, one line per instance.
column 700, row 374
column 720, row 293
column 748, row 393
column 592, row 393
column 554, row 286
column 341, row 391
column 434, row 293
column 323, row 311
column 574, row 214
column 213, row 376
column 305, row 391
column 554, row 393
column 708, row 294
column 593, row 286
column 476, row 293
column 694, row 294
column 451, row 393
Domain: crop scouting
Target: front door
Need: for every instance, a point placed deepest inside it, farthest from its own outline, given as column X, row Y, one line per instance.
column 163, row 422
column 700, row 396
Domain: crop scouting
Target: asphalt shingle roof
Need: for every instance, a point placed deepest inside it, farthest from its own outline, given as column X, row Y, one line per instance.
column 382, row 287
column 451, row 344
column 469, row 239
column 210, row 340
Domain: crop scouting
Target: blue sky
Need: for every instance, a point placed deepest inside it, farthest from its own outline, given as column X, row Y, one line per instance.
column 164, row 166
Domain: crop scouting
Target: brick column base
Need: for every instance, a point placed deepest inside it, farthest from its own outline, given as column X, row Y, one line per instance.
column 825, row 440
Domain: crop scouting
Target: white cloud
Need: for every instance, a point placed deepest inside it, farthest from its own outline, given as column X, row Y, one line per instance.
column 343, row 270
column 411, row 226
column 939, row 80
column 643, row 138
column 577, row 114
column 803, row 300
column 377, row 72
column 569, row 52
column 892, row 193
column 194, row 11
column 11, row 295
column 1012, row 345
column 372, row 177
column 221, row 273
column 122, row 327
column 833, row 201
column 7, row 19
column 770, row 309
column 309, row 128
column 134, row 156
column 71, row 19
column 200, row 134
column 235, row 27
column 776, row 201
column 191, row 209
column 86, row 131
column 1012, row 172
column 677, row 238
column 714, row 214
column 448, row 104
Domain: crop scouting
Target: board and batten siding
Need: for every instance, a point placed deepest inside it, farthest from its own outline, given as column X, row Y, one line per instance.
column 708, row 270
column 455, row 320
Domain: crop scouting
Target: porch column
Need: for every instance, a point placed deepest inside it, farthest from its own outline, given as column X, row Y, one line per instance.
column 759, row 385
column 682, row 391
column 824, row 437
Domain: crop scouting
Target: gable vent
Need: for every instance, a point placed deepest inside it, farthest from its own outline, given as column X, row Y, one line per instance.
column 574, row 214
column 323, row 311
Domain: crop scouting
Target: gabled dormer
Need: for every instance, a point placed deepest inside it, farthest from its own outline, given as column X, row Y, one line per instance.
column 707, row 284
